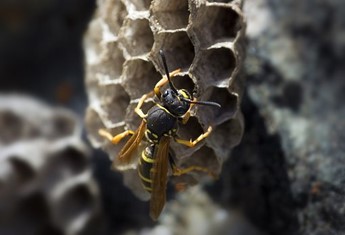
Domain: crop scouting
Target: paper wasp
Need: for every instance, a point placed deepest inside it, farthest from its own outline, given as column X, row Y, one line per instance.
column 159, row 125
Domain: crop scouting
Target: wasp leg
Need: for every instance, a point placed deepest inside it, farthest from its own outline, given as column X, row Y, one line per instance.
column 181, row 171
column 114, row 139
column 186, row 117
column 190, row 143
column 163, row 81
column 156, row 91
column 138, row 109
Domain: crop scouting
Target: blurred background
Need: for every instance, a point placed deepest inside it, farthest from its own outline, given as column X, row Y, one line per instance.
column 286, row 177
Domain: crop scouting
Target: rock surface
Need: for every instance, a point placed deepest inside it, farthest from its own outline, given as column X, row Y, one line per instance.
column 295, row 118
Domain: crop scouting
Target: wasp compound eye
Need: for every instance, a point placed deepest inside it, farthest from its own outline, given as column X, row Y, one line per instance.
column 165, row 94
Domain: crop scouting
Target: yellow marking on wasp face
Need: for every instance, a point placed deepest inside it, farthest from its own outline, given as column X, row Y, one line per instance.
column 147, row 159
column 184, row 93
column 144, row 178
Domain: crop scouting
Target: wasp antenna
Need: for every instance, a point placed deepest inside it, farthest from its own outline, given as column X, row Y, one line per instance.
column 208, row 103
column 167, row 71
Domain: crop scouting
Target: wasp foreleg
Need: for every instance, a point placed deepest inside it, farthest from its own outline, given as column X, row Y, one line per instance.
column 186, row 117
column 156, row 91
column 138, row 109
column 163, row 81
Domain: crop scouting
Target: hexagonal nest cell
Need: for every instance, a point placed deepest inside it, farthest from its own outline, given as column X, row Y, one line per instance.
column 214, row 24
column 11, row 127
column 113, row 12
column 109, row 54
column 77, row 201
column 214, row 67
column 138, row 5
column 203, row 38
column 228, row 100
column 136, row 37
column 24, row 172
column 114, row 103
column 177, row 47
column 139, row 77
column 64, row 165
column 184, row 82
column 170, row 15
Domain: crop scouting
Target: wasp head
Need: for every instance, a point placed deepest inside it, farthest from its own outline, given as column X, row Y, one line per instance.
column 176, row 103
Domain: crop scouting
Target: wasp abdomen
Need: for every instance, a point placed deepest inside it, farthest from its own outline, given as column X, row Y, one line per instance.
column 146, row 162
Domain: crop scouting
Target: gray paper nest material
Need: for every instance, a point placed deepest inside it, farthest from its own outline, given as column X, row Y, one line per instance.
column 46, row 183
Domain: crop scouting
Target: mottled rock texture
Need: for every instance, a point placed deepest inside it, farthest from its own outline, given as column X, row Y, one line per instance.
column 287, row 176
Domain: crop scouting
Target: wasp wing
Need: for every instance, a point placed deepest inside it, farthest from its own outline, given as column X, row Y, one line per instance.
column 132, row 144
column 159, row 174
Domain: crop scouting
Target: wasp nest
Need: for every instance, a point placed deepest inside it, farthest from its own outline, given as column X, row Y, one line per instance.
column 46, row 185
column 203, row 38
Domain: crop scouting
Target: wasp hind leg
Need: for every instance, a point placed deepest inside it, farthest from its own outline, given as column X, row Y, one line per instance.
column 114, row 139
column 182, row 171
column 176, row 171
column 190, row 143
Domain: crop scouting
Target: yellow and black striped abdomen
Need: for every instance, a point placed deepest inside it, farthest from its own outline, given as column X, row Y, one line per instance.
column 146, row 162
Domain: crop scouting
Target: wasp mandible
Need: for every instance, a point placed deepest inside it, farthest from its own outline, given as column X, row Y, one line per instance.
column 159, row 125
